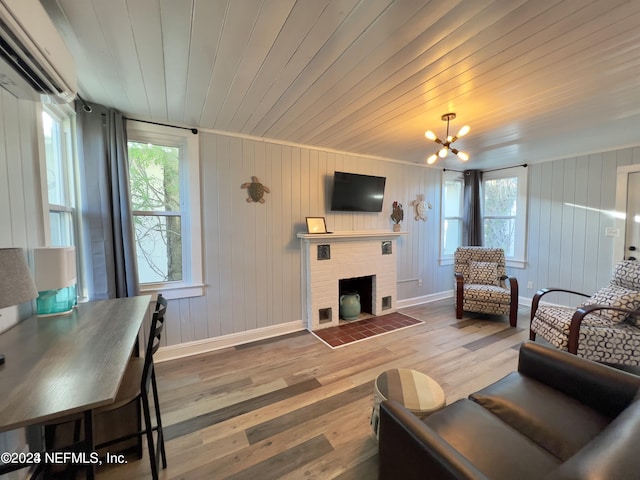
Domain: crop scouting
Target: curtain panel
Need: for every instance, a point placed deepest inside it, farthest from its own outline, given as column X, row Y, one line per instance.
column 108, row 251
column 472, row 234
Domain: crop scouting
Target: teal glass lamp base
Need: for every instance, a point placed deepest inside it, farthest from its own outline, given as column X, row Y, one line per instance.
column 56, row 302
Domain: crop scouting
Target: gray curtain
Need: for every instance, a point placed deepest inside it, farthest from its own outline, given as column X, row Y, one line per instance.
column 108, row 249
column 472, row 218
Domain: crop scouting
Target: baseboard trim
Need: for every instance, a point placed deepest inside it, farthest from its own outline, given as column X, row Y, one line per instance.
column 182, row 350
column 173, row 352
column 433, row 297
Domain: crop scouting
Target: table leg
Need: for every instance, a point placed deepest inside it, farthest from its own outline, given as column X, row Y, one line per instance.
column 89, row 445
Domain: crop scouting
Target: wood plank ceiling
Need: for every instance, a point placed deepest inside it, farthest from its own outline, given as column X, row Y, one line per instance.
column 535, row 79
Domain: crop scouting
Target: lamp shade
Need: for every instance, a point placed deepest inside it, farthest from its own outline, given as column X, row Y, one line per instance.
column 55, row 267
column 16, row 284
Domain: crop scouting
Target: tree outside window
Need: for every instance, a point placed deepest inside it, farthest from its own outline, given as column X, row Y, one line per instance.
column 154, row 172
column 500, row 209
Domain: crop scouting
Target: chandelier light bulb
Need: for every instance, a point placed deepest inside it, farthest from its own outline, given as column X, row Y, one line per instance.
column 443, row 152
column 432, row 159
column 430, row 135
column 463, row 131
column 463, row 156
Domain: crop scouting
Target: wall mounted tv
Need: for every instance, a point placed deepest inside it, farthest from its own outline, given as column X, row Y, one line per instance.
column 353, row 192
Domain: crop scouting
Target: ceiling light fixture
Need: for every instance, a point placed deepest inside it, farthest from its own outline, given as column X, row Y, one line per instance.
column 446, row 145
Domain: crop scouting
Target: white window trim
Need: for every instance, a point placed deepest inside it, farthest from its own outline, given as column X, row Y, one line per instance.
column 193, row 285
column 447, row 259
column 519, row 259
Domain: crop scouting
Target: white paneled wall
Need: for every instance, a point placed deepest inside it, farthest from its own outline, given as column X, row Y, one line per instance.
column 571, row 203
column 21, row 221
column 252, row 255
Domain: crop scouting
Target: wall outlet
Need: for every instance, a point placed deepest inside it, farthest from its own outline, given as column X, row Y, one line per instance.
column 611, row 232
column 419, row 282
column 529, row 285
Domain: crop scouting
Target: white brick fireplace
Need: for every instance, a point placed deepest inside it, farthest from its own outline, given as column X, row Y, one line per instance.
column 329, row 258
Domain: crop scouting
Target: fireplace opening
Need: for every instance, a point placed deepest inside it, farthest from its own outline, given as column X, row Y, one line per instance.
column 363, row 286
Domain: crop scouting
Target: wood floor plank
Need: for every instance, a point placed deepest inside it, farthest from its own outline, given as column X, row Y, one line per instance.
column 297, row 417
column 201, row 421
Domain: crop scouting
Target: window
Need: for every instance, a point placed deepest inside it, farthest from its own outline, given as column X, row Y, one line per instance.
column 60, row 177
column 452, row 201
column 505, row 212
column 165, row 195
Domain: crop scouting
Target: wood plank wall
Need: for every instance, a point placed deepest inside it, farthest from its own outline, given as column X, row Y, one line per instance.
column 252, row 255
column 21, row 220
column 571, row 203
column 252, row 261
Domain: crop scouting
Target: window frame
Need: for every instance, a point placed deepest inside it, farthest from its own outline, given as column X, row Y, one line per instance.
column 449, row 176
column 191, row 284
column 519, row 259
column 65, row 116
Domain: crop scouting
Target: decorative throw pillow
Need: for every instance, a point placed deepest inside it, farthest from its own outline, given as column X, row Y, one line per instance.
column 615, row 296
column 485, row 273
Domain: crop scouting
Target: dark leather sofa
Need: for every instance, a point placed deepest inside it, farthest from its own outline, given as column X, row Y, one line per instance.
column 557, row 417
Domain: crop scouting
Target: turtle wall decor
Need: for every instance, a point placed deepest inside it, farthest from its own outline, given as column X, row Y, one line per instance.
column 421, row 206
column 256, row 190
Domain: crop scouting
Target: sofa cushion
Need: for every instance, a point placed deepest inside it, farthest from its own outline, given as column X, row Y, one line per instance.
column 558, row 423
column 484, row 273
column 495, row 448
column 615, row 296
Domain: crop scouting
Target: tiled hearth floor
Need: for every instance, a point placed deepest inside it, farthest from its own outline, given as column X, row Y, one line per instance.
column 358, row 330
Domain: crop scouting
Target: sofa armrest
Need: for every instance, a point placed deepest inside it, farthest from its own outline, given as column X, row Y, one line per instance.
column 603, row 388
column 410, row 450
column 612, row 454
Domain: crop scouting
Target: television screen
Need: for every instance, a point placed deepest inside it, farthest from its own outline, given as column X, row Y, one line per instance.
column 353, row 192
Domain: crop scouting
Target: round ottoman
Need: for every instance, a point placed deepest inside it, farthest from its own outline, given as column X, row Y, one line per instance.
column 418, row 392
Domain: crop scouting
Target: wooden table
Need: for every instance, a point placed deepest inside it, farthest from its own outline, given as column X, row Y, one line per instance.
column 56, row 366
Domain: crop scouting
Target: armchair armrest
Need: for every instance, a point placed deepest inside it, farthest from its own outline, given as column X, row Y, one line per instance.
column 603, row 388
column 542, row 292
column 578, row 317
column 410, row 450
column 459, row 293
column 513, row 289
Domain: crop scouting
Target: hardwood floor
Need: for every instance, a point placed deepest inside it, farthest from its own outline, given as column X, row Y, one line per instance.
column 293, row 408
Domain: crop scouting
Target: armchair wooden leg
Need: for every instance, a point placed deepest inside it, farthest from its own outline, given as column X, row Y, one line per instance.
column 532, row 335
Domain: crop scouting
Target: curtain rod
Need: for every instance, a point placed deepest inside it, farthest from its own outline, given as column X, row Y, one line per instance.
column 494, row 170
column 193, row 130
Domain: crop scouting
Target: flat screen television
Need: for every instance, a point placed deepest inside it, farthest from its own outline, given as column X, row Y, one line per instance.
column 353, row 192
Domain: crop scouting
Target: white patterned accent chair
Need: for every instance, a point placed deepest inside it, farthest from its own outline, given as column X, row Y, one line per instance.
column 605, row 328
column 482, row 284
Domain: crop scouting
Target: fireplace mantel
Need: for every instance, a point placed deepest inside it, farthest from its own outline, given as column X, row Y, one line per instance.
column 328, row 258
column 369, row 234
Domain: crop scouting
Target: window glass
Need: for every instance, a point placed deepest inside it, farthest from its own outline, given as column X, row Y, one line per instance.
column 154, row 176
column 504, row 212
column 452, row 201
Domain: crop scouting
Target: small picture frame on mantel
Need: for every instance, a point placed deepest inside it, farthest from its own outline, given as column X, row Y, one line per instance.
column 316, row 225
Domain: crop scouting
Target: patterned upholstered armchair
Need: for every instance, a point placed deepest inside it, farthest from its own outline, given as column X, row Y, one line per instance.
column 605, row 328
column 482, row 284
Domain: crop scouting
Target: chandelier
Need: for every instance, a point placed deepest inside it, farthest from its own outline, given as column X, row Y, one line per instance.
column 446, row 145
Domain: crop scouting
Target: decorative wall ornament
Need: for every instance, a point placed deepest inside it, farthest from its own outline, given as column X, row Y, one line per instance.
column 421, row 206
column 397, row 215
column 256, row 190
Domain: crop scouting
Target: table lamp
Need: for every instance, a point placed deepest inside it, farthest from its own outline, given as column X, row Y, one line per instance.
column 55, row 275
column 16, row 284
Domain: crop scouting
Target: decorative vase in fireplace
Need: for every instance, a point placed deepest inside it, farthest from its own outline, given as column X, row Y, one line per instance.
column 350, row 306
